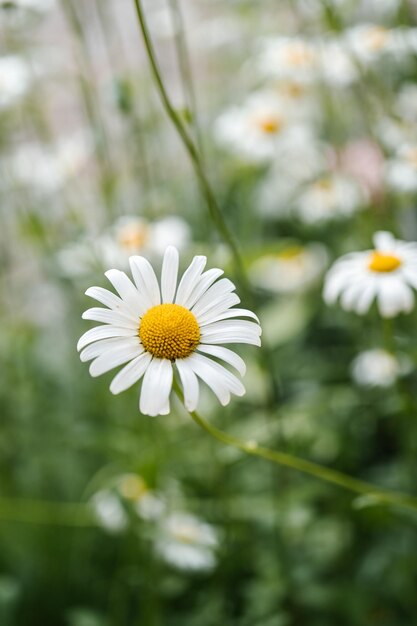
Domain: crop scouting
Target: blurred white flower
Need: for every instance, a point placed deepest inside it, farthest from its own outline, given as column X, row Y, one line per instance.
column 187, row 543
column 388, row 273
column 109, row 511
column 48, row 168
column 332, row 196
column 289, row 58
column 300, row 161
column 337, row 67
column 152, row 328
column 401, row 171
column 406, row 103
column 147, row 504
column 259, row 128
column 129, row 235
column 15, row 79
column 369, row 42
column 292, row 269
column 378, row 368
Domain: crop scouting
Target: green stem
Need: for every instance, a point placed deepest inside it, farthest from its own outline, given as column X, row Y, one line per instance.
column 378, row 495
column 185, row 71
column 44, row 512
column 212, row 204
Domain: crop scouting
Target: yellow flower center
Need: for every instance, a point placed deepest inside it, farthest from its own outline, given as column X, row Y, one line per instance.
column 133, row 487
column 186, row 534
column 376, row 37
column 132, row 237
column 270, row 124
column 298, row 55
column 169, row 331
column 291, row 253
column 381, row 262
column 411, row 157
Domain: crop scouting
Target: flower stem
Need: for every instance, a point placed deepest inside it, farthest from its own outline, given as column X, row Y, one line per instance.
column 377, row 495
column 212, row 204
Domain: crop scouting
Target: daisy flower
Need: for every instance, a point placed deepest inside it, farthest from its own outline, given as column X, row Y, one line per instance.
column 291, row 270
column 388, row 273
column 260, row 127
column 331, row 196
column 153, row 328
column 378, row 368
column 187, row 543
column 401, row 171
column 292, row 58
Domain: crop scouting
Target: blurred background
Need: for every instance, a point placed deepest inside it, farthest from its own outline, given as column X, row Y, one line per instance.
column 304, row 113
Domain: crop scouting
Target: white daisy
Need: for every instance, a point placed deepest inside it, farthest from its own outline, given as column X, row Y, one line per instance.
column 291, row 270
column 109, row 511
column 15, row 78
column 152, row 328
column 369, row 42
column 259, row 128
column 332, row 196
column 291, row 58
column 187, row 543
column 401, row 171
column 388, row 273
column 378, row 368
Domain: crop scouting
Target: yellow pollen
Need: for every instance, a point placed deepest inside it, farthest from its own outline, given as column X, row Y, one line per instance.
column 297, row 55
column 291, row 253
column 270, row 124
column 411, row 157
column 133, row 487
column 186, row 534
column 377, row 37
column 381, row 262
column 169, row 331
column 132, row 237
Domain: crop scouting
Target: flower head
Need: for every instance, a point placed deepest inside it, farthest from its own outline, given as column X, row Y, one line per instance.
column 187, row 543
column 150, row 328
column 378, row 368
column 388, row 273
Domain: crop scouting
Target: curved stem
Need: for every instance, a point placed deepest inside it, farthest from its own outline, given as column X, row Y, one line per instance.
column 378, row 495
column 212, row 204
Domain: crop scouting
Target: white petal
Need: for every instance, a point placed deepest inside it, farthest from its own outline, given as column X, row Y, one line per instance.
column 106, row 297
column 189, row 383
column 394, row 296
column 204, row 282
column 156, row 387
column 113, row 358
column 145, row 279
column 190, row 279
column 217, row 307
column 106, row 316
column 99, row 347
column 220, row 352
column 211, row 377
column 384, row 240
column 233, row 384
column 234, row 331
column 103, row 332
column 221, row 289
column 230, row 313
column 127, row 291
column 364, row 301
column 131, row 373
column 169, row 274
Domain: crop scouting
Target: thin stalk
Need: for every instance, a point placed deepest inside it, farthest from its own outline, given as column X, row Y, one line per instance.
column 44, row 512
column 379, row 495
column 185, row 70
column 212, row 204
